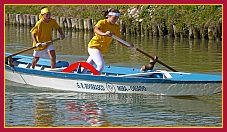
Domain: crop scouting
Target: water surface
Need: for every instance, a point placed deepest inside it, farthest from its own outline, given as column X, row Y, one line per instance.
column 29, row 106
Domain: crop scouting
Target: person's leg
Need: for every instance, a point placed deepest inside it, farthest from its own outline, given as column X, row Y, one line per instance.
column 51, row 51
column 90, row 61
column 52, row 56
column 34, row 61
column 97, row 58
column 36, row 55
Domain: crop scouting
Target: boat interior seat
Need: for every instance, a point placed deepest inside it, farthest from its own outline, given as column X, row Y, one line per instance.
column 108, row 70
column 43, row 62
column 29, row 66
column 166, row 74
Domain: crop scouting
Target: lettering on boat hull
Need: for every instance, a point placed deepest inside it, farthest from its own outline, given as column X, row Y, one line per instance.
column 111, row 88
column 90, row 86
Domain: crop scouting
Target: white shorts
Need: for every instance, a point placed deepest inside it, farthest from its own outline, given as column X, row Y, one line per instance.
column 43, row 53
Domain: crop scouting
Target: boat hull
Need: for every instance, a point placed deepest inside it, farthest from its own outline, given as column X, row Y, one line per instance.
column 105, row 84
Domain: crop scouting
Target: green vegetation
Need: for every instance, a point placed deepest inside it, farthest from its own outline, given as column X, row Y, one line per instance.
column 193, row 14
column 76, row 11
column 182, row 16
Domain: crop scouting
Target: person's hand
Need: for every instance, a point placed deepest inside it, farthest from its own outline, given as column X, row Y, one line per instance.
column 44, row 44
column 108, row 33
column 40, row 44
column 62, row 36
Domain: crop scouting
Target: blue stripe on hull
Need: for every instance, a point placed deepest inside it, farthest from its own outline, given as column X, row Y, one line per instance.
column 111, row 78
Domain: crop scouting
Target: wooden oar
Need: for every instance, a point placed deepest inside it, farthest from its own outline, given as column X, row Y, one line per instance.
column 22, row 51
column 141, row 51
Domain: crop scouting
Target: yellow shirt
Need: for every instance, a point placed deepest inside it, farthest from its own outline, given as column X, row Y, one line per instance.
column 43, row 31
column 102, row 42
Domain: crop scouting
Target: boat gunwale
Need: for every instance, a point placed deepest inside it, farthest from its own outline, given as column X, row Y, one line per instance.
column 101, row 78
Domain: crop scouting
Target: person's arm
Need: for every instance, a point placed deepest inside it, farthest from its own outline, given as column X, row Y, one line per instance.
column 34, row 38
column 99, row 32
column 62, row 35
column 36, row 42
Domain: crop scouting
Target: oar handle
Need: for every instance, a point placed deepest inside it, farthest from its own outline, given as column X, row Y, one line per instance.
column 141, row 51
column 19, row 52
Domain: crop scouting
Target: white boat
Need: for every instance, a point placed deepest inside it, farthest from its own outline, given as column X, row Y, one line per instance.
column 114, row 79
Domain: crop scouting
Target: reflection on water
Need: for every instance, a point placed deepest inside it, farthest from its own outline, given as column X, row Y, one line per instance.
column 33, row 106
column 44, row 111
column 88, row 112
column 193, row 55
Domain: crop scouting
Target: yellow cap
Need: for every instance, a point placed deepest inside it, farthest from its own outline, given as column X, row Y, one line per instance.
column 44, row 11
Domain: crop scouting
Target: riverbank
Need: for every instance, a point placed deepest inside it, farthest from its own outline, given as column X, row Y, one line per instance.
column 173, row 21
